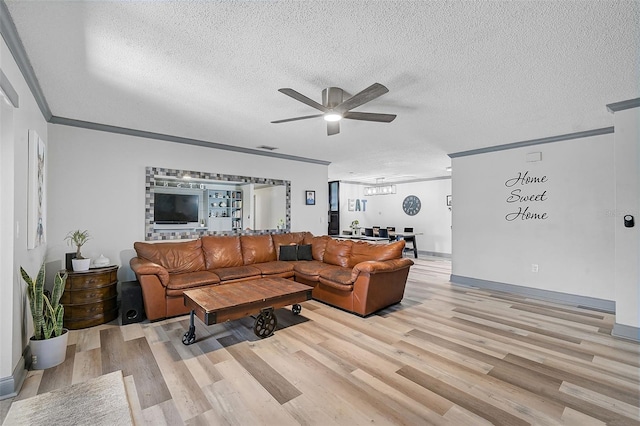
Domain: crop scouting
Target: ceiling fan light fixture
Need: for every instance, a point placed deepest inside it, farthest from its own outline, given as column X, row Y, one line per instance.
column 332, row 116
column 334, row 108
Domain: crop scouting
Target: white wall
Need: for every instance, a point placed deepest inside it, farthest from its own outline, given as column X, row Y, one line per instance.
column 97, row 183
column 573, row 247
column 433, row 220
column 627, row 250
column 14, row 311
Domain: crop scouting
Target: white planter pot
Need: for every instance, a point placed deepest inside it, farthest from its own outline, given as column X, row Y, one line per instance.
column 49, row 353
column 80, row 265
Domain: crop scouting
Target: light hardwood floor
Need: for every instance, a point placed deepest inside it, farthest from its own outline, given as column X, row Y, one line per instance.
column 445, row 355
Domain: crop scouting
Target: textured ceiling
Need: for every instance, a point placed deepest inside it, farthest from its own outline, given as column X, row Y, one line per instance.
column 461, row 75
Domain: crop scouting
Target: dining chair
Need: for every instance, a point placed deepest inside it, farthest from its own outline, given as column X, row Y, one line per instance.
column 368, row 232
column 391, row 230
column 383, row 233
column 376, row 229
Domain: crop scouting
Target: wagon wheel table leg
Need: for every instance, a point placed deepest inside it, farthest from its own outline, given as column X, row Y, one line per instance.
column 190, row 336
column 266, row 323
column 296, row 309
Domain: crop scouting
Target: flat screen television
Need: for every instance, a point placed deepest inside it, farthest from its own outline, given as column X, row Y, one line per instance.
column 175, row 208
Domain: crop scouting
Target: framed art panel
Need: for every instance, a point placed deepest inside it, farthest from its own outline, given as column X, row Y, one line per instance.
column 37, row 192
column 310, row 198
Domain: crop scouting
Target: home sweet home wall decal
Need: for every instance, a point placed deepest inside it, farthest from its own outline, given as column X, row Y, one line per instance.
column 526, row 195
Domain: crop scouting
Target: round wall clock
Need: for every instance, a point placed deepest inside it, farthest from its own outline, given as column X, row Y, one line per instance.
column 411, row 205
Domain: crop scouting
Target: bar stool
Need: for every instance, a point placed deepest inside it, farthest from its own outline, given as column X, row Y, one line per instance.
column 412, row 240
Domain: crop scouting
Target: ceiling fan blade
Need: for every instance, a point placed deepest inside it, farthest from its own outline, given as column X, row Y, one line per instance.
column 333, row 128
column 302, row 98
column 368, row 94
column 369, row 116
column 297, row 118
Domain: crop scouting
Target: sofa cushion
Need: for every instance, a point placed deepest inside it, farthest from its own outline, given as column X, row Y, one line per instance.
column 337, row 286
column 338, row 252
column 236, row 272
column 318, row 245
column 336, row 274
column 310, row 269
column 257, row 249
column 185, row 281
column 362, row 251
column 288, row 253
column 221, row 251
column 183, row 256
column 275, row 267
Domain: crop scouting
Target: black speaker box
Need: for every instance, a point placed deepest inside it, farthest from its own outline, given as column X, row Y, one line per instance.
column 131, row 306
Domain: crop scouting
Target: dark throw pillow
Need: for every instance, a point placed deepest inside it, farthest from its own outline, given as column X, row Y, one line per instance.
column 304, row 252
column 288, row 253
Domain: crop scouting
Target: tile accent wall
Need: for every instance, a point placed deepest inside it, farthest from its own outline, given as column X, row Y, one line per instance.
column 157, row 173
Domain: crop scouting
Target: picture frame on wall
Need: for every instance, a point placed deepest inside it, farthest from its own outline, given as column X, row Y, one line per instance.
column 310, row 198
column 449, row 200
column 37, row 192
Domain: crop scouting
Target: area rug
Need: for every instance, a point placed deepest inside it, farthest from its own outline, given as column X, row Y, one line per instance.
column 99, row 401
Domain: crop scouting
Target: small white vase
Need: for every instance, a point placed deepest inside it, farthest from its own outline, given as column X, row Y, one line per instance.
column 101, row 262
column 50, row 352
column 80, row 265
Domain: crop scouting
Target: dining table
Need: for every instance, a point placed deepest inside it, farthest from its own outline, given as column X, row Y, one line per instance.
column 407, row 236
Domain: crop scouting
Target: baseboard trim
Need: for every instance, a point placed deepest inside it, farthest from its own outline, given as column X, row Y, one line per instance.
column 626, row 332
column 10, row 386
column 432, row 253
column 607, row 306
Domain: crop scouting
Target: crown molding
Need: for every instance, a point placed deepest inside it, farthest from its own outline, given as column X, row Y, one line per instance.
column 10, row 35
column 177, row 139
column 532, row 142
column 355, row 182
column 622, row 105
column 8, row 90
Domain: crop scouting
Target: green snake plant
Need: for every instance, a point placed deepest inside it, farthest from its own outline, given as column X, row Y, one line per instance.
column 47, row 312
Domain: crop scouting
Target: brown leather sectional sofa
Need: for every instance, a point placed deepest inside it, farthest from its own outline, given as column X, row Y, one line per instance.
column 356, row 276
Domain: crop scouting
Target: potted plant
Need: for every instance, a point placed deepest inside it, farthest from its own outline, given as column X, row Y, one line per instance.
column 49, row 341
column 79, row 238
column 355, row 226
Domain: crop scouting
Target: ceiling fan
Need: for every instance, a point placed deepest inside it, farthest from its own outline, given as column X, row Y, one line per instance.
column 334, row 107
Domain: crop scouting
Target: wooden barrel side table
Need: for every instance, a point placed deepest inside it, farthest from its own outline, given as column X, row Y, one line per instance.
column 90, row 298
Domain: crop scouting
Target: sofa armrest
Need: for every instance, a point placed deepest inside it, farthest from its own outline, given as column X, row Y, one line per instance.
column 379, row 284
column 377, row 267
column 146, row 267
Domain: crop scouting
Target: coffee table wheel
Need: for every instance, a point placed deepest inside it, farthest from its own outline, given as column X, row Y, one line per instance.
column 296, row 309
column 265, row 324
column 190, row 336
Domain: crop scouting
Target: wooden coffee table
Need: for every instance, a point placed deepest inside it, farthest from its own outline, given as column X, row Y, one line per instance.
column 227, row 302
